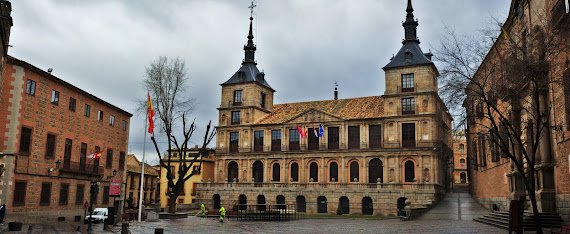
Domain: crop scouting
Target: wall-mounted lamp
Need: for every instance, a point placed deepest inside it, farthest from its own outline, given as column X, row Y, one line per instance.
column 114, row 174
column 57, row 163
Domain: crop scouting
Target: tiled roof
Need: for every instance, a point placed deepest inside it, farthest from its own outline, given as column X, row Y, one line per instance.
column 347, row 109
column 137, row 167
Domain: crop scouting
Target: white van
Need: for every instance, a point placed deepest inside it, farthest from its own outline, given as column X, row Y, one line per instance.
column 99, row 215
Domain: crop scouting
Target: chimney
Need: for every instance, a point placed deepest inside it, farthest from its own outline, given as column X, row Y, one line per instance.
column 335, row 94
column 428, row 55
column 196, row 146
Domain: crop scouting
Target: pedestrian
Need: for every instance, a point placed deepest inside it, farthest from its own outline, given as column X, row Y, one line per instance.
column 222, row 214
column 203, row 209
column 2, row 213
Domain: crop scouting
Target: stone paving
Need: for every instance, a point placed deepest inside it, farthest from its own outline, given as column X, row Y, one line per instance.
column 454, row 214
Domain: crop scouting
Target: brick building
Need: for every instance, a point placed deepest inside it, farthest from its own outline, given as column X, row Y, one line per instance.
column 531, row 26
column 372, row 152
column 133, row 186
column 48, row 127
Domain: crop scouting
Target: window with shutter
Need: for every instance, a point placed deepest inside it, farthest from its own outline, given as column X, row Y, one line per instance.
column 63, row 194
column 19, row 193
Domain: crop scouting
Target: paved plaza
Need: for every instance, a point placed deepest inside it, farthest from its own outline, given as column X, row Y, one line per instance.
column 454, row 214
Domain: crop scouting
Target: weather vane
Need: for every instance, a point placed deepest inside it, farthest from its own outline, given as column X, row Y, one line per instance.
column 251, row 7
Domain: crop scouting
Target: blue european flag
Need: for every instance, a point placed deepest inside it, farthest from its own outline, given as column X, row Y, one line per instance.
column 321, row 130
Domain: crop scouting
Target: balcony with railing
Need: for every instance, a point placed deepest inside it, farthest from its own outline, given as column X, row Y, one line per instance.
column 82, row 168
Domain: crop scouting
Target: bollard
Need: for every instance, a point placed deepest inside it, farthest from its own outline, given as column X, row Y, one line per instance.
column 125, row 228
column 158, row 231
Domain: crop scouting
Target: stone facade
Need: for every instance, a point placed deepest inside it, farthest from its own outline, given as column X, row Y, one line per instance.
column 39, row 184
column 362, row 153
column 496, row 181
column 133, row 180
column 460, row 160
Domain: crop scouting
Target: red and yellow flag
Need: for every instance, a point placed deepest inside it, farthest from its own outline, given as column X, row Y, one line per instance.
column 150, row 113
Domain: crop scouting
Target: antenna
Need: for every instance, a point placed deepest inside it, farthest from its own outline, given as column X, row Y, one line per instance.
column 50, row 70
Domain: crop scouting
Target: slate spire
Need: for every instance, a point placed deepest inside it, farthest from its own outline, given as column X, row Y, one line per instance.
column 250, row 47
column 410, row 25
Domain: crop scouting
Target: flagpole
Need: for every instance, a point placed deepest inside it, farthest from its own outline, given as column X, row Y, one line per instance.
column 142, row 171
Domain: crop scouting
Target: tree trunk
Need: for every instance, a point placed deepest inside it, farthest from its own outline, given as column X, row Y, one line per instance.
column 532, row 196
column 172, row 206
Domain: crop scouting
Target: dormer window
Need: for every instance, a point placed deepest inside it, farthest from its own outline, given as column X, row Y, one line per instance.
column 237, row 97
column 408, row 55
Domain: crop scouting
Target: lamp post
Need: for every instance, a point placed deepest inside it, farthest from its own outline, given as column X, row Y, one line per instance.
column 94, row 190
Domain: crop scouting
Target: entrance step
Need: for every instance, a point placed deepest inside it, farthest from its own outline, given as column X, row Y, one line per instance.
column 501, row 219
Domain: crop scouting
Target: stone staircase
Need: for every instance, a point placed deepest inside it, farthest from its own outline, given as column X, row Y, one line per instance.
column 501, row 219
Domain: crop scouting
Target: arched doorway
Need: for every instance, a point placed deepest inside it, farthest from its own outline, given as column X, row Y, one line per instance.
column 257, row 171
column 242, row 201
column 401, row 203
column 354, row 172
column 281, row 200
column 294, row 172
column 276, row 172
column 260, row 202
column 301, row 204
column 314, row 172
column 216, row 199
column 321, row 204
column 232, row 171
column 409, row 171
column 367, row 208
column 345, row 205
column 375, row 171
column 463, row 177
column 333, row 172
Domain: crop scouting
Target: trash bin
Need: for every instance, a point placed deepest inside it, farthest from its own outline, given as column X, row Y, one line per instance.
column 15, row 226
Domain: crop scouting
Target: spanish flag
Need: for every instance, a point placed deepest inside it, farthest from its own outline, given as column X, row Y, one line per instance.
column 150, row 113
column 96, row 154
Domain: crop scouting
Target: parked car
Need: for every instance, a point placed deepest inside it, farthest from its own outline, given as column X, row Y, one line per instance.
column 99, row 215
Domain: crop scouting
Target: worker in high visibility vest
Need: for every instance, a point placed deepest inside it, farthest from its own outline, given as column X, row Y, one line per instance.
column 222, row 214
column 203, row 209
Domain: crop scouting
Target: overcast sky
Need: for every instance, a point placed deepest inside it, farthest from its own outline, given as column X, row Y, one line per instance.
column 303, row 46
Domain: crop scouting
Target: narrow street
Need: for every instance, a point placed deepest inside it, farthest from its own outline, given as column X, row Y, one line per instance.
column 455, row 206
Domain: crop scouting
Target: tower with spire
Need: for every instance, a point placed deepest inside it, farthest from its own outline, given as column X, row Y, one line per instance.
column 411, row 76
column 246, row 95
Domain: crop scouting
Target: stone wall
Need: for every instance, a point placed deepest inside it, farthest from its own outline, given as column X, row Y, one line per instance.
column 384, row 200
column 502, row 202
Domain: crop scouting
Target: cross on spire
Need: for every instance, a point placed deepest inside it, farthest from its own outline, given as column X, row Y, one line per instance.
column 251, row 7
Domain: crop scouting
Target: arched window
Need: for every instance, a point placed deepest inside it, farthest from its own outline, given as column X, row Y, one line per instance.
column 294, row 172
column 367, row 206
column 276, row 172
column 301, row 204
column 314, row 172
column 242, row 201
column 281, row 200
column 232, row 171
column 354, row 173
column 375, row 171
column 333, row 172
column 462, row 162
column 217, row 204
column 261, row 203
column 409, row 171
column 344, row 204
column 258, row 171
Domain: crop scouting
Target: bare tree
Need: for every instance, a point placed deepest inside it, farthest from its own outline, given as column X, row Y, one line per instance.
column 504, row 86
column 166, row 79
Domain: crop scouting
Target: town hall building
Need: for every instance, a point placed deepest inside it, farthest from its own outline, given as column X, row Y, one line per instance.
column 372, row 153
